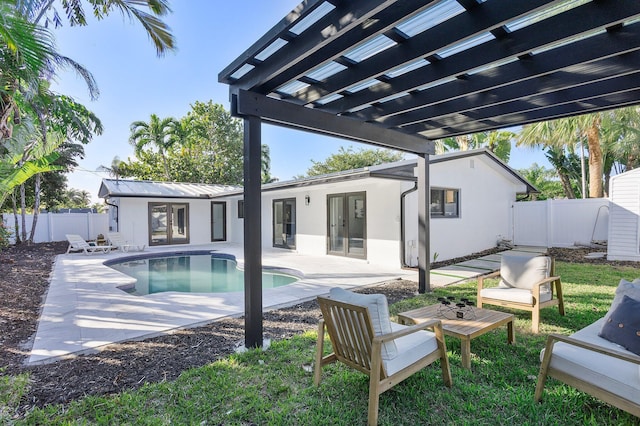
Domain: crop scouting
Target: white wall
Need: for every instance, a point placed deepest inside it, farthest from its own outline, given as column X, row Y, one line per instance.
column 485, row 199
column 624, row 218
column 133, row 219
column 383, row 217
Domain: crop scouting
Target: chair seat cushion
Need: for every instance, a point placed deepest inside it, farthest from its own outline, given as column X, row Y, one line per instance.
column 614, row 375
column 411, row 348
column 378, row 311
column 512, row 294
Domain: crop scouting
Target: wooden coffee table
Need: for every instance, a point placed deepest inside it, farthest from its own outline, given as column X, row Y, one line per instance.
column 464, row 329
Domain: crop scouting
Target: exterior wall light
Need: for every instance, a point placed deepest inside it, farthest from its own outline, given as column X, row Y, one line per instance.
column 307, row 200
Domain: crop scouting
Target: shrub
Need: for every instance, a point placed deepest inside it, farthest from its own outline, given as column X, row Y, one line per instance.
column 5, row 235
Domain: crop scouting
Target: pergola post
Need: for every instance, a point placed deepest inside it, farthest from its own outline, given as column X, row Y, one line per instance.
column 424, row 193
column 252, row 233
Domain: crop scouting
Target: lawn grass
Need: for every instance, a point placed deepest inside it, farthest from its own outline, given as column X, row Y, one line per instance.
column 273, row 388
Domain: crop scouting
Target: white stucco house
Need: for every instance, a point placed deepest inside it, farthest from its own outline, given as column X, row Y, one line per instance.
column 368, row 213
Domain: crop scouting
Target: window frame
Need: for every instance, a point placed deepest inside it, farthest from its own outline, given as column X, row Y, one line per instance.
column 442, row 214
column 169, row 224
column 224, row 221
column 240, row 208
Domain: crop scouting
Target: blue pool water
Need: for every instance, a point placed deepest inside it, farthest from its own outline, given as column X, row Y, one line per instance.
column 190, row 273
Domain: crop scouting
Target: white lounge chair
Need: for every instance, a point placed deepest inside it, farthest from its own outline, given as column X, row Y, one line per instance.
column 77, row 243
column 117, row 241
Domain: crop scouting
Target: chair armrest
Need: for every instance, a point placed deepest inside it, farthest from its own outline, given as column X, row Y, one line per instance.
column 384, row 338
column 535, row 289
column 481, row 278
column 553, row 338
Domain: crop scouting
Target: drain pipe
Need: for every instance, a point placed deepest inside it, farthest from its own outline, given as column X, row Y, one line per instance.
column 116, row 215
column 403, row 263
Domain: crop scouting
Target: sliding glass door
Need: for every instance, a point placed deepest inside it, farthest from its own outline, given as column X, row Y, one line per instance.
column 347, row 224
column 168, row 223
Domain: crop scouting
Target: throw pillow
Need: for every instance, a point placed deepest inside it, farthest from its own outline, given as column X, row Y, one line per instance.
column 625, row 288
column 623, row 325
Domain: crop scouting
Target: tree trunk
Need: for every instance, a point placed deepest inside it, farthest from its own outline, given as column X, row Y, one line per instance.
column 166, row 167
column 566, row 185
column 16, row 225
column 23, row 213
column 595, row 158
column 36, row 208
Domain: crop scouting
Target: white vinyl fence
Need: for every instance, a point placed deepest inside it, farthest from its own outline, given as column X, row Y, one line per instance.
column 54, row 226
column 560, row 223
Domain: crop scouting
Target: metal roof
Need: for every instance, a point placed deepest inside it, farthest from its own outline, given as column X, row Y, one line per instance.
column 401, row 73
column 152, row 189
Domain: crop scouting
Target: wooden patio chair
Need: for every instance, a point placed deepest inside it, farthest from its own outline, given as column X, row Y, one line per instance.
column 363, row 337
column 526, row 283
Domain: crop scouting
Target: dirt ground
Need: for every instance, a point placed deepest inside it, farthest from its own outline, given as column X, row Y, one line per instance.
column 24, row 274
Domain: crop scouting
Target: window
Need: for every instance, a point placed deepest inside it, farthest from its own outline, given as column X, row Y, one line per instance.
column 240, row 209
column 284, row 223
column 218, row 221
column 445, row 203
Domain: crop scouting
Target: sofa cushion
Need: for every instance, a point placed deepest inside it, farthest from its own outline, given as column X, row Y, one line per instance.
column 623, row 325
column 523, row 271
column 378, row 311
column 616, row 376
column 411, row 348
column 625, row 288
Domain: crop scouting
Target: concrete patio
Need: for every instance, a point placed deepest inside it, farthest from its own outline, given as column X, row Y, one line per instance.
column 84, row 309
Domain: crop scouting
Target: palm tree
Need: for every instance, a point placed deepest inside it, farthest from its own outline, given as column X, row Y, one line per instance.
column 157, row 30
column 497, row 141
column 25, row 50
column 157, row 132
column 568, row 133
column 115, row 169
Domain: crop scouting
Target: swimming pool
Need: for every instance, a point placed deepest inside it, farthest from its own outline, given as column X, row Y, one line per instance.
column 190, row 272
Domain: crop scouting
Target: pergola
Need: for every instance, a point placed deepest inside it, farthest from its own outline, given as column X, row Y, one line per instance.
column 401, row 73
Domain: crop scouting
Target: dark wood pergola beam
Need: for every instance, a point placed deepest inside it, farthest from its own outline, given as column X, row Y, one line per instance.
column 584, row 106
column 334, row 51
column 579, row 20
column 346, row 16
column 282, row 113
column 604, row 48
column 553, row 88
column 285, row 23
column 478, row 20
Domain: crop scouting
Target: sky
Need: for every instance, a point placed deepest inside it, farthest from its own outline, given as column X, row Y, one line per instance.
column 134, row 83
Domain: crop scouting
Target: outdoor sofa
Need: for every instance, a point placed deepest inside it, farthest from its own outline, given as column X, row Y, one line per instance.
column 602, row 367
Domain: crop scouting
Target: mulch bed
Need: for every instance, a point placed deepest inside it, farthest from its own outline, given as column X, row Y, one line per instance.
column 24, row 274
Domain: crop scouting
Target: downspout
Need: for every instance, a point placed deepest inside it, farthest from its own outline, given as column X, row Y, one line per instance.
column 403, row 263
column 116, row 215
